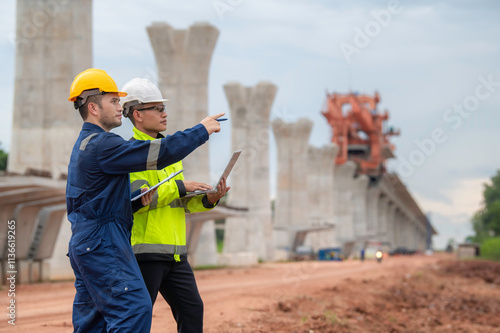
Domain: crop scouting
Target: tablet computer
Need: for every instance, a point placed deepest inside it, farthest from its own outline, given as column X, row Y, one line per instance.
column 225, row 174
column 172, row 175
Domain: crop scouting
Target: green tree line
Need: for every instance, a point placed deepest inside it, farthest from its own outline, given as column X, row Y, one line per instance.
column 3, row 159
column 486, row 221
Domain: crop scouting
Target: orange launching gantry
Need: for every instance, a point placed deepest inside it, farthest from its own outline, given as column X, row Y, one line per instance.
column 360, row 131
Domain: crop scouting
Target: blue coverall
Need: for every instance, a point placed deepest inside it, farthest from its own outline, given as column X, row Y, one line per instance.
column 110, row 292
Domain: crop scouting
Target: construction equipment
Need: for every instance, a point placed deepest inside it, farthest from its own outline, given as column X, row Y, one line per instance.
column 360, row 131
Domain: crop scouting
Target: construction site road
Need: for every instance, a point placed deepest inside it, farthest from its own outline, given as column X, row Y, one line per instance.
column 306, row 296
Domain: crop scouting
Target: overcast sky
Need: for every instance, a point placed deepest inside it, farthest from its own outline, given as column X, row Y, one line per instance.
column 435, row 65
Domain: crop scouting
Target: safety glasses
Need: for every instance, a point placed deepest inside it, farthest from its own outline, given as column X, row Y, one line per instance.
column 159, row 108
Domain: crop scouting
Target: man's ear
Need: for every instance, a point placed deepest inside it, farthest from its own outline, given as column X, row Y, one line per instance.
column 93, row 109
column 137, row 116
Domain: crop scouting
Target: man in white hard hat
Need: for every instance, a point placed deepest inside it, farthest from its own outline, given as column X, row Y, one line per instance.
column 159, row 230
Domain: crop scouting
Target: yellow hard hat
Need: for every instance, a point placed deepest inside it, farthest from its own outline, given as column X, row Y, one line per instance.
column 92, row 79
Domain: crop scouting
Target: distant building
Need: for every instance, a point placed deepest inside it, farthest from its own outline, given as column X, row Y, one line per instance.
column 468, row 250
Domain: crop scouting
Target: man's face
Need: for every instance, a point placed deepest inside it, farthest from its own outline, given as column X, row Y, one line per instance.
column 154, row 117
column 111, row 113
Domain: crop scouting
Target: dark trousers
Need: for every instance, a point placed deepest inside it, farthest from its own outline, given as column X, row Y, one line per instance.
column 176, row 283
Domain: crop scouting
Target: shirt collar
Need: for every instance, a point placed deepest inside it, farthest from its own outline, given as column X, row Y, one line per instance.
column 138, row 135
column 92, row 127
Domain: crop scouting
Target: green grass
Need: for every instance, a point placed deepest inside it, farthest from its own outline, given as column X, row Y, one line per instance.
column 220, row 246
column 490, row 249
column 331, row 317
column 207, row 267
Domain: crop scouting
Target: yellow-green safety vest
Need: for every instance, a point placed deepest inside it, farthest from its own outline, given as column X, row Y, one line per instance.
column 160, row 228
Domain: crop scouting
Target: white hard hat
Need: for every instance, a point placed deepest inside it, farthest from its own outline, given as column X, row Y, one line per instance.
column 139, row 91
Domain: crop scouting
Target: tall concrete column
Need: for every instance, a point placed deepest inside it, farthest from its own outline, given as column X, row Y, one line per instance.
column 320, row 195
column 401, row 219
column 53, row 44
column 383, row 207
column 408, row 232
column 183, row 59
column 359, row 204
column 250, row 109
column 421, row 239
column 412, row 231
column 391, row 227
column 394, row 228
column 413, row 234
column 291, row 195
column 343, row 187
column 399, row 227
column 372, row 204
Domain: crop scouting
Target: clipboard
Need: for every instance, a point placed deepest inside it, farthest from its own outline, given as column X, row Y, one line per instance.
column 172, row 175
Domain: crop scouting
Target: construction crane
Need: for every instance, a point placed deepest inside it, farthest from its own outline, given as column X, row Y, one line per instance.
column 360, row 131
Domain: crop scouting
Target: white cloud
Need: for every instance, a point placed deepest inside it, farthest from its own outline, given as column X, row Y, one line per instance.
column 462, row 200
column 451, row 217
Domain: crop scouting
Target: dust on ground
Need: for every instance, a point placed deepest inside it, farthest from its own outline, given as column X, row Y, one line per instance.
column 406, row 294
column 449, row 296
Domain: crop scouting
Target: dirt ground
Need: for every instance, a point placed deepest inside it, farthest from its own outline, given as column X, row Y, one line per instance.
column 403, row 294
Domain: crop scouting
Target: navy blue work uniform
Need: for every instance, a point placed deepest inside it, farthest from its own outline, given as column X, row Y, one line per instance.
column 110, row 292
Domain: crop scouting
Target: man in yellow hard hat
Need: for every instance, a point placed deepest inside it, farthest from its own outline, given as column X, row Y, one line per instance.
column 110, row 292
column 159, row 230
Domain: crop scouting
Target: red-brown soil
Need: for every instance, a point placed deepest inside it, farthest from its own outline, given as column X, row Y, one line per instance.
column 403, row 294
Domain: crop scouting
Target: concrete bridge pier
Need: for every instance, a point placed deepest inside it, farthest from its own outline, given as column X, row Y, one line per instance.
column 359, row 203
column 183, row 59
column 291, row 208
column 373, row 197
column 250, row 109
column 51, row 49
column 342, row 191
column 320, row 193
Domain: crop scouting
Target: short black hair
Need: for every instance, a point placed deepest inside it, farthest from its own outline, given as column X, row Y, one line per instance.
column 84, row 109
column 131, row 113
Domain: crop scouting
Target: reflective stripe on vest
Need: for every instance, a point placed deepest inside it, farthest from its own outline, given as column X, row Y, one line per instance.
column 137, row 184
column 154, row 152
column 159, row 248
